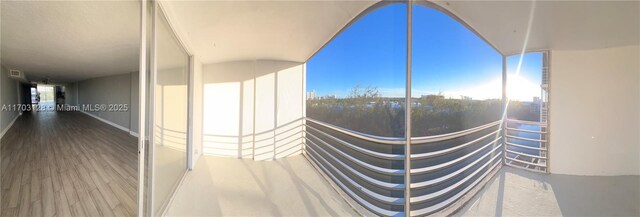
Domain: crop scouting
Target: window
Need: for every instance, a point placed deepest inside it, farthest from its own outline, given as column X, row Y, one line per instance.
column 456, row 76
column 524, row 79
column 357, row 81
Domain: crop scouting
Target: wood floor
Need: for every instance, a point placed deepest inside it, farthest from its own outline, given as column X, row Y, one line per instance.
column 67, row 164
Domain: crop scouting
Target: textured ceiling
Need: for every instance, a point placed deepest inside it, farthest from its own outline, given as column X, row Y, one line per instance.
column 70, row 40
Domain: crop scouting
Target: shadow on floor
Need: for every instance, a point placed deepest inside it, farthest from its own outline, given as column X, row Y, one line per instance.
column 515, row 192
column 220, row 186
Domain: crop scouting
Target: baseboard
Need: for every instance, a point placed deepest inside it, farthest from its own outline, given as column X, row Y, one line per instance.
column 106, row 121
column 134, row 134
column 10, row 125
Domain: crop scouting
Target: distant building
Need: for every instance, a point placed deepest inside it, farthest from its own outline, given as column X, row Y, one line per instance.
column 311, row 95
column 535, row 106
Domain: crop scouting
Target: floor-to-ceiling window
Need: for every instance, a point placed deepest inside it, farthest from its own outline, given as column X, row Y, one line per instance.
column 524, row 73
column 169, row 159
column 46, row 93
column 456, row 93
column 355, row 106
column 526, row 123
column 357, row 81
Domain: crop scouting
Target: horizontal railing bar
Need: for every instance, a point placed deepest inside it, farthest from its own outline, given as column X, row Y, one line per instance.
column 170, row 130
column 371, row 138
column 450, row 188
column 296, row 127
column 173, row 136
column 221, row 148
column 221, row 142
column 360, row 149
column 524, row 154
column 526, row 168
column 527, row 122
column 365, row 203
column 219, row 136
column 452, row 162
column 449, row 150
column 167, row 142
column 442, row 137
column 524, row 146
column 291, row 122
column 371, row 194
column 373, row 181
column 459, row 171
column 524, row 162
column 298, row 134
column 526, row 131
column 526, row 139
column 166, row 138
column 430, row 209
column 394, row 172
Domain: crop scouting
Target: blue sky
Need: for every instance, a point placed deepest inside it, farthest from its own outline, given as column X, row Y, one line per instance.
column 447, row 58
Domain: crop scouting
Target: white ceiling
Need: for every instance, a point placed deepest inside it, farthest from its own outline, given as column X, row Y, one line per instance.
column 220, row 31
column 556, row 25
column 70, row 40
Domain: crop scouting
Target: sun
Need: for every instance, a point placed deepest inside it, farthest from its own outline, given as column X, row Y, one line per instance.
column 521, row 89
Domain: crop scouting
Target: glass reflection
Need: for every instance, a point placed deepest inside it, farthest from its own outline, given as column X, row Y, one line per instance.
column 170, row 130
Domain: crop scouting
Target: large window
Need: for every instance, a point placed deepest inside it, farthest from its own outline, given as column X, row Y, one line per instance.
column 357, row 81
column 456, row 76
column 524, row 80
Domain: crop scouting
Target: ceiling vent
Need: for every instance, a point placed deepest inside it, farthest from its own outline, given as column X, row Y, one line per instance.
column 15, row 74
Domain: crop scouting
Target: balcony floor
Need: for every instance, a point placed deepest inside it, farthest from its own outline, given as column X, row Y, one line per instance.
column 233, row 187
column 515, row 192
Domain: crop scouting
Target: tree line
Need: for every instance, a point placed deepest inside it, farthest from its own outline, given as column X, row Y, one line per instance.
column 367, row 111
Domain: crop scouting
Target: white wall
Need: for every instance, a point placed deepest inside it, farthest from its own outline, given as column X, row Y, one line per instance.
column 252, row 109
column 8, row 97
column 595, row 111
column 71, row 94
column 197, row 110
column 110, row 90
column 134, row 106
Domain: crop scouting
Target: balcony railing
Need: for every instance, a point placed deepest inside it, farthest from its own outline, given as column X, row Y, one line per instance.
column 526, row 145
column 370, row 169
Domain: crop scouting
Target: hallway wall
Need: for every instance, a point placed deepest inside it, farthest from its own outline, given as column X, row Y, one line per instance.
column 110, row 90
column 253, row 109
column 135, row 102
column 9, row 96
column 71, row 94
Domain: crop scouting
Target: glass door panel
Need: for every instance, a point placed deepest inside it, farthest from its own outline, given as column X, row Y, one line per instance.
column 169, row 114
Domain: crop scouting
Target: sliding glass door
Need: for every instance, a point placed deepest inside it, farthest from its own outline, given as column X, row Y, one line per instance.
column 169, row 110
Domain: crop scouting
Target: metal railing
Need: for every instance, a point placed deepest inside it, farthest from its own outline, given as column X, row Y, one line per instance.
column 370, row 169
column 171, row 138
column 526, row 145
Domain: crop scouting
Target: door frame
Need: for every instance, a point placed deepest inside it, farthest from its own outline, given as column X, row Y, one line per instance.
column 150, row 10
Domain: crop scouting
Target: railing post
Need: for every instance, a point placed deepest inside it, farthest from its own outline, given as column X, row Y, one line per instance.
column 505, row 104
column 407, row 117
